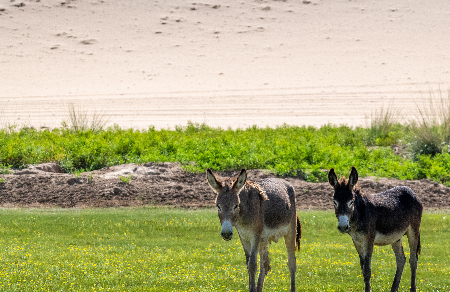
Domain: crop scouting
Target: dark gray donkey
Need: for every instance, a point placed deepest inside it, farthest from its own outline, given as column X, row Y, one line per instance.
column 379, row 219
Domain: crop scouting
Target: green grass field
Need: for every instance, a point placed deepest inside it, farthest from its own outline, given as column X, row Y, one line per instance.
column 163, row 249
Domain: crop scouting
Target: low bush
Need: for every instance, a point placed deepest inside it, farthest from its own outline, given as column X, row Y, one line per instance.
column 286, row 150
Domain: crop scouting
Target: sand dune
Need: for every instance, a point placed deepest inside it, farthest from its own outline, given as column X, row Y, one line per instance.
column 228, row 63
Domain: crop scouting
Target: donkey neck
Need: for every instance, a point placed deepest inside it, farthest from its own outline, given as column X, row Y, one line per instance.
column 251, row 204
column 361, row 211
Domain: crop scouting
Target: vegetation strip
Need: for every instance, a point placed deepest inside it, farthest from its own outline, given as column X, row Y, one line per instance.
column 286, row 150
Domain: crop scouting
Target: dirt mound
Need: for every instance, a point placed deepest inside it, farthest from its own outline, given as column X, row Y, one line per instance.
column 168, row 184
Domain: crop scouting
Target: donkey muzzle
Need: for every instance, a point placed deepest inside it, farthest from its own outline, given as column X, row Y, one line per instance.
column 343, row 224
column 227, row 230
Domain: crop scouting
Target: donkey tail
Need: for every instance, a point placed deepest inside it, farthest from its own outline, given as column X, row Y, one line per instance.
column 299, row 234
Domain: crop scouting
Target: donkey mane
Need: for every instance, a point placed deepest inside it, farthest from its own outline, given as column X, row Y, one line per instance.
column 262, row 193
column 248, row 186
column 343, row 183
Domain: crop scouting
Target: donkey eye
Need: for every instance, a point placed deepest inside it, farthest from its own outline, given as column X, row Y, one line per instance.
column 336, row 204
column 235, row 207
column 350, row 203
column 218, row 207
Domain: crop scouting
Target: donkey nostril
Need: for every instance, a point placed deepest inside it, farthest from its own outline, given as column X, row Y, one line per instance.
column 343, row 228
column 226, row 235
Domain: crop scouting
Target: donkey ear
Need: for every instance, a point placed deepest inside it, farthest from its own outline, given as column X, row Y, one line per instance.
column 214, row 183
column 240, row 181
column 353, row 178
column 332, row 178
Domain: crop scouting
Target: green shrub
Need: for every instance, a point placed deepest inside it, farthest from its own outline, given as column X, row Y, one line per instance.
column 125, row 179
column 5, row 169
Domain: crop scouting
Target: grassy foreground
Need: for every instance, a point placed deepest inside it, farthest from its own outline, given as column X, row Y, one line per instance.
column 162, row 249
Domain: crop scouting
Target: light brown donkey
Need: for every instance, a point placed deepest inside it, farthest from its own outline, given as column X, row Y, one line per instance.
column 261, row 212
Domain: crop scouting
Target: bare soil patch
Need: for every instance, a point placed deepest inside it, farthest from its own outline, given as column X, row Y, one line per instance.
column 167, row 184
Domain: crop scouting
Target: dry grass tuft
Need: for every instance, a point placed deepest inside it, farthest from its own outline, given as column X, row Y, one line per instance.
column 431, row 126
column 80, row 119
column 383, row 124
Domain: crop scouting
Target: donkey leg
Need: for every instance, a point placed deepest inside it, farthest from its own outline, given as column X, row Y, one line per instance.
column 247, row 249
column 414, row 250
column 251, row 266
column 292, row 262
column 365, row 249
column 366, row 269
column 401, row 260
column 264, row 265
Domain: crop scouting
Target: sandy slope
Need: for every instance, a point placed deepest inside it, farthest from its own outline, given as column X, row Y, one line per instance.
column 226, row 63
